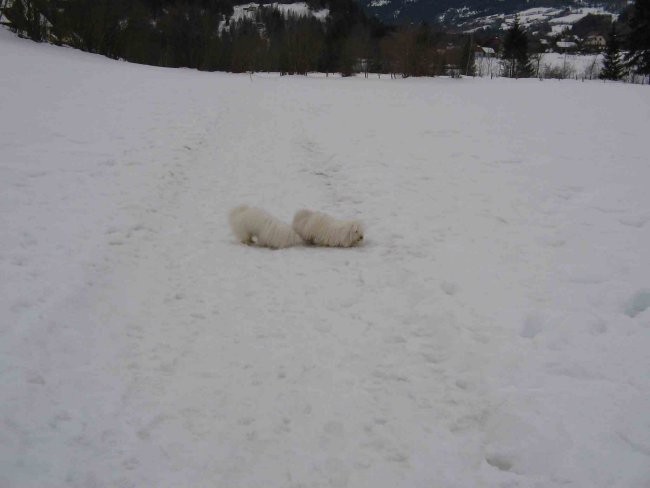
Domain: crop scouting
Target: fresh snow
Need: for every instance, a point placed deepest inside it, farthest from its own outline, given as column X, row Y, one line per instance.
column 580, row 65
column 529, row 18
column 579, row 14
column 493, row 331
column 533, row 15
column 558, row 29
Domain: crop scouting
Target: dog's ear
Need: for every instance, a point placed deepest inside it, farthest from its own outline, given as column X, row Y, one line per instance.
column 358, row 228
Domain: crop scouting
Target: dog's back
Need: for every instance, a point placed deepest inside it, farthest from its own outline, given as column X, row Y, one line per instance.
column 253, row 225
column 324, row 230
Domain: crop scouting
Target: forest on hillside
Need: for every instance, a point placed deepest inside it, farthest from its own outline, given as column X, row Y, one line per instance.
column 204, row 35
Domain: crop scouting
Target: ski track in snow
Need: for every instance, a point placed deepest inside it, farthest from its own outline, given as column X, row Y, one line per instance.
column 492, row 331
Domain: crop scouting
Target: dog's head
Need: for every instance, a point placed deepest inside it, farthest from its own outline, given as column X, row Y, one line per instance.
column 355, row 234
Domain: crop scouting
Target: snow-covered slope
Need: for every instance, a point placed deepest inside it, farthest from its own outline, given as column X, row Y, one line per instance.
column 493, row 331
column 473, row 14
column 560, row 19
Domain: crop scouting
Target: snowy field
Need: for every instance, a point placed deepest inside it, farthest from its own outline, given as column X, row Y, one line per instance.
column 549, row 65
column 494, row 330
column 587, row 66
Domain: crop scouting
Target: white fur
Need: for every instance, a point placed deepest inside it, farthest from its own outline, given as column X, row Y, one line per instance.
column 255, row 226
column 322, row 230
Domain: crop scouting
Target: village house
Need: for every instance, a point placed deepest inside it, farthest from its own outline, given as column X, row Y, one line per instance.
column 595, row 41
column 565, row 46
column 484, row 52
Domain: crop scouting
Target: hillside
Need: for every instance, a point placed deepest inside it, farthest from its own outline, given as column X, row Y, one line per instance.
column 209, row 35
column 455, row 13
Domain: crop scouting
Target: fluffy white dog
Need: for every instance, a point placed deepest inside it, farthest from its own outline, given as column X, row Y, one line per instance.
column 255, row 226
column 322, row 230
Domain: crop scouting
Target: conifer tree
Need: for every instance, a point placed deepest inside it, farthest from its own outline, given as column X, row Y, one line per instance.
column 612, row 64
column 639, row 39
column 467, row 57
column 26, row 18
column 515, row 52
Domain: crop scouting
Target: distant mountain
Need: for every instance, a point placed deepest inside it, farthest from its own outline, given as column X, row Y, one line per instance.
column 455, row 13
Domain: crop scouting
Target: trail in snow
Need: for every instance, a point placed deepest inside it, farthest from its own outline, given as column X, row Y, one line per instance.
column 492, row 331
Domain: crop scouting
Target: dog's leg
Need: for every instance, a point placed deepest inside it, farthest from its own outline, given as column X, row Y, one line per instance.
column 248, row 239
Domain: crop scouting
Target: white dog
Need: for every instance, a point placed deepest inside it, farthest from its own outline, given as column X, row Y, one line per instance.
column 255, row 226
column 322, row 230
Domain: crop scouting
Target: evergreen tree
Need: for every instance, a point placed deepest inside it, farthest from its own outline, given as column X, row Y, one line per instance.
column 639, row 38
column 515, row 52
column 26, row 18
column 422, row 60
column 467, row 57
column 612, row 64
column 137, row 41
column 399, row 52
column 200, row 34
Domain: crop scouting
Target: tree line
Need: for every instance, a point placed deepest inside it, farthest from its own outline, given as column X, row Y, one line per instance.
column 202, row 34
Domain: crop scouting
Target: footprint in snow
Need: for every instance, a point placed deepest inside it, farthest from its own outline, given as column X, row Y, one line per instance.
column 638, row 304
column 449, row 288
column 532, row 326
column 635, row 221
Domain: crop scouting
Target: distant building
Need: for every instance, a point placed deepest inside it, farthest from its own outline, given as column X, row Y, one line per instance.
column 595, row 41
column 566, row 46
column 484, row 52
